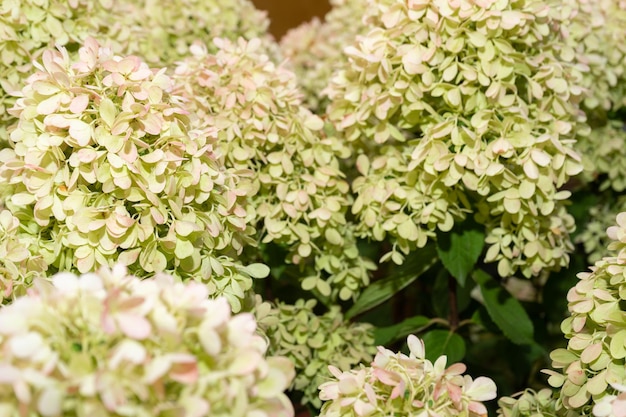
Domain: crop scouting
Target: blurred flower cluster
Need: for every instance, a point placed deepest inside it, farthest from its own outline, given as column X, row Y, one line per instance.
column 403, row 386
column 104, row 168
column 253, row 110
column 593, row 31
column 458, row 108
column 107, row 343
column 315, row 48
column 593, row 236
column 595, row 356
column 164, row 31
column 314, row 342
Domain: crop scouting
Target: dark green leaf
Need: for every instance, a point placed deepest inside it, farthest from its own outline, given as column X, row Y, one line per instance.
column 460, row 248
column 441, row 291
column 385, row 335
column 378, row 292
column 504, row 310
column 444, row 342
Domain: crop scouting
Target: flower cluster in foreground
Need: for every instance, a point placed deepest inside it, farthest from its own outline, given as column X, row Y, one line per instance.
column 595, row 357
column 400, row 385
column 462, row 107
column 314, row 342
column 107, row 343
column 252, row 108
column 104, row 167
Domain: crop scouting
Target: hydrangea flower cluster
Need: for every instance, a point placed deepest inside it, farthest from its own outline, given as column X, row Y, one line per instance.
column 403, row 386
column 604, row 156
column 530, row 403
column 314, row 342
column 104, row 168
column 29, row 27
column 106, row 344
column 461, row 107
column 596, row 331
column 593, row 236
column 594, row 33
column 164, row 31
column 19, row 261
column 315, row 48
column 253, row 109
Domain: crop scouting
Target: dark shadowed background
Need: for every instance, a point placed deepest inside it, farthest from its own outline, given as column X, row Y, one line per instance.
column 286, row 14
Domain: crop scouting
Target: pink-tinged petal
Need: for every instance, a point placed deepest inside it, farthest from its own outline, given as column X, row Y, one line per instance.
column 79, row 104
column 184, row 368
column 454, row 391
column 336, row 372
column 49, row 105
column 152, row 124
column 478, row 408
column 398, row 390
column 80, row 131
column 619, row 406
column 456, row 369
column 56, row 120
column 386, row 377
column 133, row 325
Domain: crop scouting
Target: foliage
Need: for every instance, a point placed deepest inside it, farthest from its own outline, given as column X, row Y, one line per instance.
column 107, row 343
column 401, row 385
column 104, row 168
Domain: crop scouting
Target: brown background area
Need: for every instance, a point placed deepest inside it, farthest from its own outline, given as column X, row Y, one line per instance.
column 285, row 14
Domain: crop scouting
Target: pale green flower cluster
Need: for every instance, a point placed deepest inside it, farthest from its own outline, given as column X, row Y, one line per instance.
column 29, row 27
column 104, row 168
column 596, row 331
column 164, row 31
column 460, row 107
column 604, row 155
column 530, row 403
column 252, row 108
column 593, row 236
column 314, row 342
column 594, row 38
column 399, row 385
column 110, row 344
column 19, row 261
column 315, row 48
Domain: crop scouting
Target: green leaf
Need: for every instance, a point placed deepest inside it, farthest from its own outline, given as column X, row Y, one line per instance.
column 378, row 292
column 441, row 294
column 460, row 248
column 504, row 310
column 444, row 342
column 390, row 334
